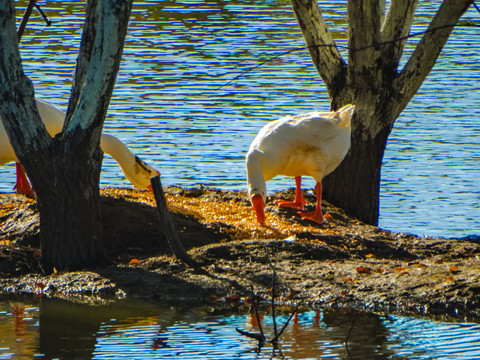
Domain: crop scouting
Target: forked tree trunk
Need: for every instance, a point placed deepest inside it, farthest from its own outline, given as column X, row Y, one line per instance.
column 373, row 82
column 65, row 170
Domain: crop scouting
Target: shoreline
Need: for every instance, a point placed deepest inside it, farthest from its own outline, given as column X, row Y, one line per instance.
column 343, row 263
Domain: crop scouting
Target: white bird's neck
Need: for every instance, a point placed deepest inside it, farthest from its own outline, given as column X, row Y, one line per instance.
column 126, row 160
column 255, row 178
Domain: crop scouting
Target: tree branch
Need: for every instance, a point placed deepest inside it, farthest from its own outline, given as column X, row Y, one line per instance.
column 18, row 110
column 364, row 19
column 84, row 55
column 320, row 43
column 428, row 49
column 277, row 336
column 97, row 68
column 26, row 16
column 397, row 26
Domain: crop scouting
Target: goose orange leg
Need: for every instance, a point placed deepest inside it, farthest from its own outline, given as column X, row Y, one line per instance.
column 316, row 215
column 299, row 200
column 23, row 185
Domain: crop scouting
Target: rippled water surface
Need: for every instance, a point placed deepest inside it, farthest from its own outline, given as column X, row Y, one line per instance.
column 181, row 104
column 56, row 329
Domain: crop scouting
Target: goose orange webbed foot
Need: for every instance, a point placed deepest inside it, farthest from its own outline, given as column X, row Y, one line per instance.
column 315, row 216
column 293, row 204
column 23, row 185
column 299, row 202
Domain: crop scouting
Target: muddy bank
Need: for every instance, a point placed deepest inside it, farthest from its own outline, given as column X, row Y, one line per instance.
column 343, row 263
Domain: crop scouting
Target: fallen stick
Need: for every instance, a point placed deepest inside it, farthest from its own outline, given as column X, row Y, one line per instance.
column 166, row 221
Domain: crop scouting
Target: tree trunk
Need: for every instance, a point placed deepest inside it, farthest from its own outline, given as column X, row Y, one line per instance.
column 70, row 230
column 355, row 185
column 65, row 170
column 373, row 83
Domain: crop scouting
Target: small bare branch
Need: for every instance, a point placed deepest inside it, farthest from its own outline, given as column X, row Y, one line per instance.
column 275, row 339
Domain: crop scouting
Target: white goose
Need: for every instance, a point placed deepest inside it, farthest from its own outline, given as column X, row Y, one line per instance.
column 135, row 170
column 311, row 144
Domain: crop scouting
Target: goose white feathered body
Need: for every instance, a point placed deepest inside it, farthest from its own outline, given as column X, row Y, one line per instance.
column 136, row 171
column 311, row 144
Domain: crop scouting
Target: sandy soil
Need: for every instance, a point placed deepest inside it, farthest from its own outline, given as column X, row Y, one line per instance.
column 342, row 263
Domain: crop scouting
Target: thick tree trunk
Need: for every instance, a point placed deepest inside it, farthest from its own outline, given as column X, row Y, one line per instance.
column 65, row 170
column 70, row 230
column 355, row 184
column 372, row 82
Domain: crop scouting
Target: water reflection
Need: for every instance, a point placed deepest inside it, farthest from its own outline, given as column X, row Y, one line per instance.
column 57, row 329
column 174, row 106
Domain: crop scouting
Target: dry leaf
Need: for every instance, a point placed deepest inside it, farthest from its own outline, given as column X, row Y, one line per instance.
column 233, row 298
column 364, row 270
column 454, row 269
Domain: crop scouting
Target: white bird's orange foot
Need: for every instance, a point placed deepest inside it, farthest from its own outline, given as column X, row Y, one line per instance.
column 23, row 185
column 299, row 200
column 292, row 204
column 315, row 216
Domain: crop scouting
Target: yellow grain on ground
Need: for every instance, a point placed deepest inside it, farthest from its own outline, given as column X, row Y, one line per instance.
column 235, row 217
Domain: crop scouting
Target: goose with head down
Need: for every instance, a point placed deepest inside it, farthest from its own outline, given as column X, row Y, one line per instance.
column 311, row 144
column 134, row 169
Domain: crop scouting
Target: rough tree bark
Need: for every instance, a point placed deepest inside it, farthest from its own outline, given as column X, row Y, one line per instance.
column 65, row 170
column 371, row 79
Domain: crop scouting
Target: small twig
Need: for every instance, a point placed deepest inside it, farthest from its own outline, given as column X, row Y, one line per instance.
column 273, row 307
column 273, row 292
column 45, row 17
column 348, row 335
column 334, row 45
column 275, row 339
column 257, row 336
column 476, row 7
column 258, row 316
column 25, row 18
column 260, row 337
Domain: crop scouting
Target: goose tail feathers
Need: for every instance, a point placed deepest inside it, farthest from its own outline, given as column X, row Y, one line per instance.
column 344, row 115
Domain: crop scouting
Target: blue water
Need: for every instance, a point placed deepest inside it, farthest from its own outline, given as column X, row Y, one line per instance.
column 56, row 329
column 180, row 105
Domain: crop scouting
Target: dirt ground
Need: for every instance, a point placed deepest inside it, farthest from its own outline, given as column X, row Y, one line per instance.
column 342, row 263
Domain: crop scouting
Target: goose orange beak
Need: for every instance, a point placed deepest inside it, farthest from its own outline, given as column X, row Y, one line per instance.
column 258, row 205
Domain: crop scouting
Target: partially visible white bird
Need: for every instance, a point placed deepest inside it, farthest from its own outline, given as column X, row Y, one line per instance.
column 311, row 144
column 135, row 170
